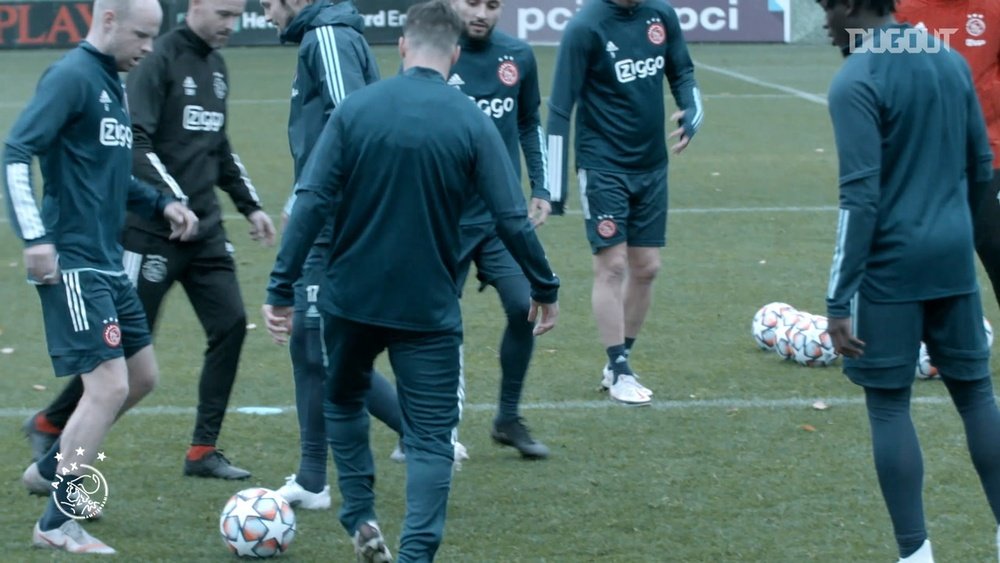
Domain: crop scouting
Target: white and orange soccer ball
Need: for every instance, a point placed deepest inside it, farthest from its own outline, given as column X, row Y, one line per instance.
column 766, row 322
column 786, row 332
column 810, row 343
column 257, row 523
column 926, row 370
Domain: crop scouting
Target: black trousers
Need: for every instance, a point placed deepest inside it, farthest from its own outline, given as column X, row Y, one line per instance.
column 986, row 224
column 207, row 272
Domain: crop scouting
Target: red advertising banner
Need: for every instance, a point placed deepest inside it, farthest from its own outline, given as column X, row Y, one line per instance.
column 43, row 24
column 540, row 22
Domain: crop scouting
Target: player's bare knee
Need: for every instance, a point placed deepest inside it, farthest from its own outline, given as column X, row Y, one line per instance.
column 610, row 268
column 644, row 271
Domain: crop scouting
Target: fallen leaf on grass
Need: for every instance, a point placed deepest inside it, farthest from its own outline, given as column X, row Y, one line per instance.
column 808, row 427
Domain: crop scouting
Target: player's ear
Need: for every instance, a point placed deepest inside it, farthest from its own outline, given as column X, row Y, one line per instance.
column 455, row 53
column 402, row 47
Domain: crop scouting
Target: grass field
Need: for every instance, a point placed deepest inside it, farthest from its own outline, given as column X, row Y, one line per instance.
column 730, row 464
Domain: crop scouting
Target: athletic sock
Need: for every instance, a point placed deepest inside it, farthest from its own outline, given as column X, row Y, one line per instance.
column 48, row 463
column 629, row 342
column 52, row 518
column 618, row 361
column 198, row 451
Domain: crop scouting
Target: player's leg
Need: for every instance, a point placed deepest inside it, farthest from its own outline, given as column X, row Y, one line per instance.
column 891, row 332
column 213, row 290
column 428, row 370
column 42, row 428
column 85, row 336
column 647, row 234
column 351, row 349
column 152, row 265
column 605, row 200
column 497, row 267
column 986, row 224
column 958, row 347
column 307, row 488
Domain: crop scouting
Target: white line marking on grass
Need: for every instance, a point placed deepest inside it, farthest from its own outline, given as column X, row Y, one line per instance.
column 815, row 98
column 668, row 405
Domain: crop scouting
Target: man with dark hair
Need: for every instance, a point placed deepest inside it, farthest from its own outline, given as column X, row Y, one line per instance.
column 177, row 100
column 499, row 73
column 392, row 268
column 979, row 43
column 334, row 60
column 908, row 152
column 78, row 127
column 612, row 61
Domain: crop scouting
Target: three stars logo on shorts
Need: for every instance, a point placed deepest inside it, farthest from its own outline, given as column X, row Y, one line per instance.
column 112, row 333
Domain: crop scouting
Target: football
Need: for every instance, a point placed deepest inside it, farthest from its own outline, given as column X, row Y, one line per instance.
column 924, row 368
column 810, row 343
column 785, row 331
column 765, row 324
column 257, row 523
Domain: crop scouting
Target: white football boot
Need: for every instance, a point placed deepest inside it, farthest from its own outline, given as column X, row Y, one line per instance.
column 607, row 376
column 298, row 497
column 922, row 555
column 627, row 391
column 461, row 454
column 69, row 537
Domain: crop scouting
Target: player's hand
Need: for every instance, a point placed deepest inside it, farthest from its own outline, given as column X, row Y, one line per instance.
column 544, row 316
column 278, row 321
column 844, row 341
column 682, row 139
column 42, row 264
column 538, row 211
column 261, row 228
column 183, row 221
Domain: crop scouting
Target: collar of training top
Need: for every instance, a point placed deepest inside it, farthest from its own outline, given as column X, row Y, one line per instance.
column 197, row 43
column 423, row 72
column 107, row 61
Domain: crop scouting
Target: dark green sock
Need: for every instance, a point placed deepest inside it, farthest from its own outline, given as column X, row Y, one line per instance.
column 629, row 342
column 618, row 361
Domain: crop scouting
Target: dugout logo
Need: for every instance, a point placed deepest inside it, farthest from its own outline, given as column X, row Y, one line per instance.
column 197, row 118
column 85, row 486
column 628, row 70
column 115, row 133
column 655, row 32
column 899, row 40
column 508, row 72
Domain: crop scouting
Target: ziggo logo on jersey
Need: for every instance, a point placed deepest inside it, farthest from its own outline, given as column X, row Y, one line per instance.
column 197, row 118
column 627, row 70
column 115, row 134
column 495, row 107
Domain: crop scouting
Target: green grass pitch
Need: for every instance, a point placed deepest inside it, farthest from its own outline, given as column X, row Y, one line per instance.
column 731, row 464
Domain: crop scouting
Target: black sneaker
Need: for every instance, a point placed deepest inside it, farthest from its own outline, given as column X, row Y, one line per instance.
column 516, row 435
column 39, row 441
column 214, row 465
